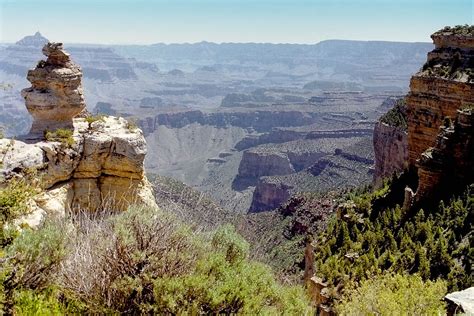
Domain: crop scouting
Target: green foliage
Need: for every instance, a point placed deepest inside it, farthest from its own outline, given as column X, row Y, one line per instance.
column 94, row 118
column 435, row 243
column 139, row 261
column 13, row 204
column 235, row 247
column 14, row 199
column 222, row 286
column 62, row 135
column 396, row 116
column 394, row 294
column 30, row 303
column 29, row 263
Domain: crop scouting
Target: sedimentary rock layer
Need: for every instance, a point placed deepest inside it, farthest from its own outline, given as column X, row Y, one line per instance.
column 102, row 169
column 56, row 93
column 444, row 85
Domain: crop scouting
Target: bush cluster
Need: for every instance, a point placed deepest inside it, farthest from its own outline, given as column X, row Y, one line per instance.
column 371, row 239
column 14, row 198
column 394, row 294
column 138, row 262
column 61, row 135
column 396, row 116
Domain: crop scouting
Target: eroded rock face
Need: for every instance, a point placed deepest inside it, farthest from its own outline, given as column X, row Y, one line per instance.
column 439, row 123
column 444, row 85
column 391, row 152
column 56, row 94
column 448, row 164
column 439, row 112
column 102, row 169
column 391, row 143
column 269, row 195
column 97, row 164
column 257, row 164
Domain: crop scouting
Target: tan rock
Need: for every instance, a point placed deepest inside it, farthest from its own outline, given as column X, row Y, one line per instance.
column 103, row 168
column 16, row 155
column 444, row 85
column 56, row 94
column 56, row 201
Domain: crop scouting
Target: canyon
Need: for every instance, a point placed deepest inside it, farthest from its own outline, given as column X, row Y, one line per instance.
column 214, row 115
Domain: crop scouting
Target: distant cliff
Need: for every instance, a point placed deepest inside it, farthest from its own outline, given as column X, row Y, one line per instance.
column 391, row 143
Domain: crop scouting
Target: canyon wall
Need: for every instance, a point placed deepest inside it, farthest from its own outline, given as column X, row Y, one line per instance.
column 447, row 165
column 391, row 143
column 444, row 85
column 437, row 144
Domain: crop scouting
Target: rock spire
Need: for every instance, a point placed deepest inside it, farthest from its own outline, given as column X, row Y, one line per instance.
column 56, row 94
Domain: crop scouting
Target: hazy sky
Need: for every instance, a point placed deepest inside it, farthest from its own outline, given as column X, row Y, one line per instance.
column 277, row 21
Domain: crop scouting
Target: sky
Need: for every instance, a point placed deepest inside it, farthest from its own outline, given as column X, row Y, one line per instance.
column 271, row 21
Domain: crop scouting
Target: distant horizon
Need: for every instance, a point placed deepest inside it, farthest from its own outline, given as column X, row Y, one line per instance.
column 146, row 22
column 217, row 43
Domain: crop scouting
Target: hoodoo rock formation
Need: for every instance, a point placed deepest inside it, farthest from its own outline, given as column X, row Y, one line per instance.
column 56, row 94
column 82, row 163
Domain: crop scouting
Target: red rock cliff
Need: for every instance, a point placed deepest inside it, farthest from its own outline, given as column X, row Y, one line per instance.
column 444, row 85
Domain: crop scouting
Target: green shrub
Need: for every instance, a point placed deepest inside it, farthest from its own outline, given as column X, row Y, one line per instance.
column 137, row 262
column 235, row 247
column 61, row 135
column 14, row 199
column 394, row 294
column 229, row 287
column 396, row 116
column 30, row 262
column 29, row 302
column 94, row 118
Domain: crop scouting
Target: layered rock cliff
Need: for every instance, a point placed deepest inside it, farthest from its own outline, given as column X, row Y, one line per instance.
column 391, row 143
column 437, row 146
column 90, row 163
column 447, row 165
column 444, row 85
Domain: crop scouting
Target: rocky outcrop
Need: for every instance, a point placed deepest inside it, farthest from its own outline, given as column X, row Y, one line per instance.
column 88, row 164
column 56, row 94
column 460, row 301
column 255, row 164
column 444, row 85
column 448, row 165
column 391, row 151
column 391, row 143
column 432, row 135
column 269, row 195
column 442, row 92
column 102, row 169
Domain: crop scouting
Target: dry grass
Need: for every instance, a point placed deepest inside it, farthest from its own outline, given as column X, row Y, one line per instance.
column 106, row 249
